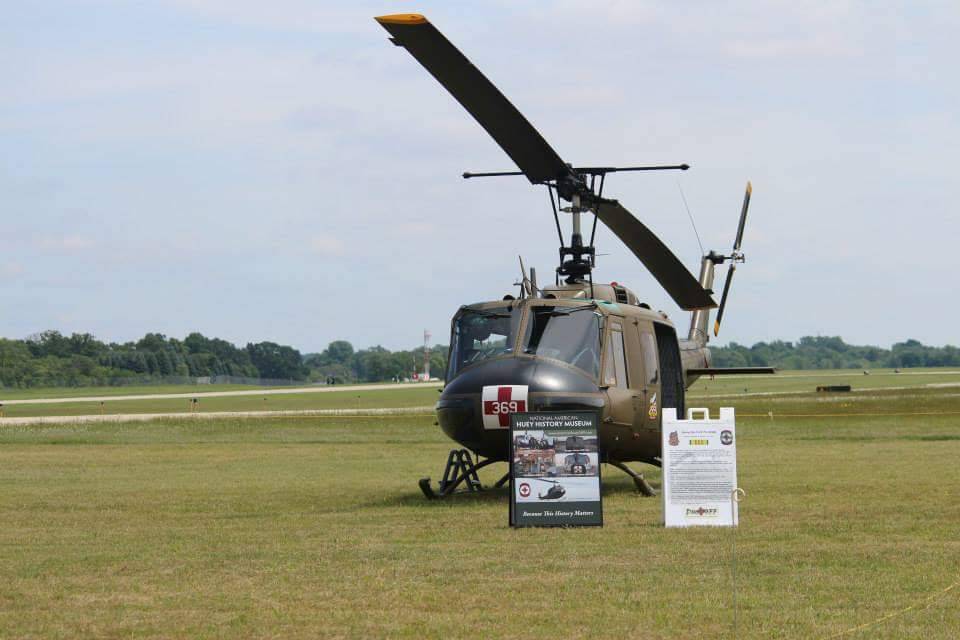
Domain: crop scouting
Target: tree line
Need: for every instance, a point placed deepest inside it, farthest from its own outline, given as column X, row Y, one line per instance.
column 339, row 362
column 51, row 359
column 833, row 353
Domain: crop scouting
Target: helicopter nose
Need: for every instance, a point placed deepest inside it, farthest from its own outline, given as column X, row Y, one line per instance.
column 550, row 387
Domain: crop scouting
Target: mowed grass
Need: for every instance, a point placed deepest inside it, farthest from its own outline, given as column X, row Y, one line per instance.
column 77, row 392
column 809, row 380
column 314, row 527
column 402, row 396
column 723, row 389
column 7, row 393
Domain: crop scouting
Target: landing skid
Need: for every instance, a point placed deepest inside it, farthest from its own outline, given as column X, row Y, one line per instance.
column 460, row 469
column 642, row 485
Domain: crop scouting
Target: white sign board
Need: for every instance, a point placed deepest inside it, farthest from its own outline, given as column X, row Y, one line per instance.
column 699, row 469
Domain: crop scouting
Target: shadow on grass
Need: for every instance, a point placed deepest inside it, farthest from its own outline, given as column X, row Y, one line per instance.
column 488, row 495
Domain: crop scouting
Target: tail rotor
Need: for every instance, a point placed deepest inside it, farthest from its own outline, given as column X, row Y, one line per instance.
column 735, row 256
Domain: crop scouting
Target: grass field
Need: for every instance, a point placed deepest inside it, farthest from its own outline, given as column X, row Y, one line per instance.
column 7, row 393
column 405, row 396
column 729, row 387
column 76, row 392
column 314, row 527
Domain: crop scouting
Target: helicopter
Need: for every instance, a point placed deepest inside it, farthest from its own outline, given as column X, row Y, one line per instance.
column 576, row 344
column 555, row 492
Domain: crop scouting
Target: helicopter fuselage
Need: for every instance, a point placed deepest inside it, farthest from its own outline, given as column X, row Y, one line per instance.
column 604, row 353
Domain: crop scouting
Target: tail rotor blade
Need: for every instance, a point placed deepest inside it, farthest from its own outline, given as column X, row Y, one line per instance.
column 505, row 124
column 723, row 298
column 743, row 217
column 662, row 263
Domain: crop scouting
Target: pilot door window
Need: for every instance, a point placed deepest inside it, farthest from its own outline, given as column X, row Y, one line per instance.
column 482, row 334
column 615, row 365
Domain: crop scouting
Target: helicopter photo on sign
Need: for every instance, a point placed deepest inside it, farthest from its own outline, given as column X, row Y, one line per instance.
column 554, row 470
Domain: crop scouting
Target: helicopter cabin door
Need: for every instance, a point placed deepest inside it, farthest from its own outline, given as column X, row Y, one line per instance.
column 671, row 370
column 647, row 397
column 616, row 377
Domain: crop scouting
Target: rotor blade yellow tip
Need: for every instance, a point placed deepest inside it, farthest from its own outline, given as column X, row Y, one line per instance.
column 749, row 187
column 401, row 18
column 716, row 328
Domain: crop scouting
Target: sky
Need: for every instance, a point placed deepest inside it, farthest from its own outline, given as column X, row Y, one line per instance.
column 279, row 171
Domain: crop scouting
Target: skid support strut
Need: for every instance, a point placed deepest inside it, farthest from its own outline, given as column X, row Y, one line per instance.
column 460, row 468
column 642, row 485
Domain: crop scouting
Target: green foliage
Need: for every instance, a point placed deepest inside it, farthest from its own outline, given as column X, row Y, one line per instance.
column 341, row 363
column 277, row 361
column 50, row 359
column 831, row 352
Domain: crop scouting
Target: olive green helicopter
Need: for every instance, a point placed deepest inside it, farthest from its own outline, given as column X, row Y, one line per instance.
column 576, row 344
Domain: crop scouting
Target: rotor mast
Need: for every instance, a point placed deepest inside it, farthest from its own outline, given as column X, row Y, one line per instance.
column 541, row 164
column 580, row 187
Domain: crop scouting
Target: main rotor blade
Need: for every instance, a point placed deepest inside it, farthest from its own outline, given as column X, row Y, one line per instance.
column 723, row 298
column 665, row 267
column 743, row 217
column 515, row 135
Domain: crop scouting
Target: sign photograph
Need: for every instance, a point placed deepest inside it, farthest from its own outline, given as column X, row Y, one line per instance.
column 699, row 469
column 554, row 470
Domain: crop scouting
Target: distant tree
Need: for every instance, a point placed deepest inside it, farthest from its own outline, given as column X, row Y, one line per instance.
column 340, row 352
column 152, row 342
column 275, row 361
column 49, row 343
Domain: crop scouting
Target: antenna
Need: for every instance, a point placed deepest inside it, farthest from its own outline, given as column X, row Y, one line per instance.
column 426, row 355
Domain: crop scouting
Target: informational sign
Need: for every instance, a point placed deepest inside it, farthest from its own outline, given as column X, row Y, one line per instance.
column 699, row 469
column 554, row 470
column 500, row 401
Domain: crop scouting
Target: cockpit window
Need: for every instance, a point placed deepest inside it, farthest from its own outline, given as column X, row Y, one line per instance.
column 481, row 334
column 569, row 334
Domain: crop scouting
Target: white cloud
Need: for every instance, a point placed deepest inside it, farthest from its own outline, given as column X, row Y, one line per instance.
column 68, row 243
column 11, row 270
column 327, row 246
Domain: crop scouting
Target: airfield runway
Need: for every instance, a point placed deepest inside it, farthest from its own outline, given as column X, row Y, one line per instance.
column 221, row 394
column 146, row 417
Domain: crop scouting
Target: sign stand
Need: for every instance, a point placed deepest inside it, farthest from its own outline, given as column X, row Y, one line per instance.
column 555, row 470
column 699, row 469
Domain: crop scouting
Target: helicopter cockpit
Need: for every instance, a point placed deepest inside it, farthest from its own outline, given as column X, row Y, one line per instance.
column 541, row 328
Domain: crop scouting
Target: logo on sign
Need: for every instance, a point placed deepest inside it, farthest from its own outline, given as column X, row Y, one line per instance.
column 726, row 437
column 524, row 490
column 499, row 402
column 674, row 439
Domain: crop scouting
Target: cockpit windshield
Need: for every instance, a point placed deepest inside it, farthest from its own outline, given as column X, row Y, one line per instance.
column 481, row 334
column 569, row 334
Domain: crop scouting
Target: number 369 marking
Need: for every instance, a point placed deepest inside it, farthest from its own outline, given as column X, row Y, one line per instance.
column 503, row 407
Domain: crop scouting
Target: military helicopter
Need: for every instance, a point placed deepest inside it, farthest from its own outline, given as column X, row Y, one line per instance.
column 576, row 344
column 555, row 492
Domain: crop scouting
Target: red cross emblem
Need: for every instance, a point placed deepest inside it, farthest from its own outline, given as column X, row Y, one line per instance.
column 499, row 402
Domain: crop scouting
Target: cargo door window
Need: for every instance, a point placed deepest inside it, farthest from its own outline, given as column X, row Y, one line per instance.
column 648, row 346
column 615, row 365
